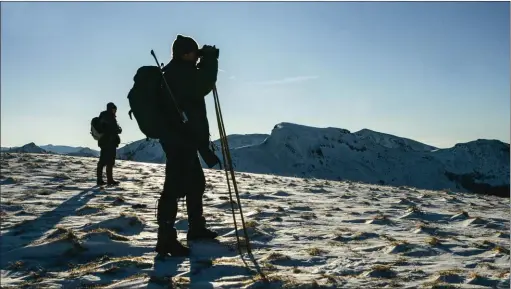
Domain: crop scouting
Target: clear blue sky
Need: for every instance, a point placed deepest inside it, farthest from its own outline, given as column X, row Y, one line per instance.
column 435, row 72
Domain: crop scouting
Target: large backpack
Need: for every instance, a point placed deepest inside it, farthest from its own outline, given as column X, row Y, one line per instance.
column 95, row 128
column 145, row 101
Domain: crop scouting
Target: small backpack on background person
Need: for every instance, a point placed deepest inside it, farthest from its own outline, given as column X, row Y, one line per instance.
column 95, row 128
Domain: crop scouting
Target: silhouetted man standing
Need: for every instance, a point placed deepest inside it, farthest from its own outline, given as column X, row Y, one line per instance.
column 108, row 143
column 190, row 83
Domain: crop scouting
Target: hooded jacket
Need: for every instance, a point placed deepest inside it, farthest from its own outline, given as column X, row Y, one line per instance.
column 189, row 84
column 110, row 128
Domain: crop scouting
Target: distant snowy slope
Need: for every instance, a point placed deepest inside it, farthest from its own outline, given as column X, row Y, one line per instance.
column 477, row 164
column 150, row 151
column 143, row 150
column 60, row 149
column 242, row 140
column 337, row 154
column 28, row 148
column 391, row 141
column 84, row 152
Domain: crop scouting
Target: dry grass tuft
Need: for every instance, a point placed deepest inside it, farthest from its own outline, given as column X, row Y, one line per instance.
column 18, row 265
column 220, row 261
column 112, row 265
column 450, row 272
column 474, row 275
column 90, row 208
column 133, row 218
column 275, row 256
column 381, row 268
column 501, row 250
column 251, row 224
column 387, row 237
column 433, row 241
column 316, row 251
column 119, row 200
column 414, row 209
column 112, row 235
column 308, row 216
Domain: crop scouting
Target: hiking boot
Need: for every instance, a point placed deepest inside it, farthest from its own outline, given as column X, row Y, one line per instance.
column 100, row 183
column 168, row 244
column 201, row 234
column 172, row 247
column 113, row 183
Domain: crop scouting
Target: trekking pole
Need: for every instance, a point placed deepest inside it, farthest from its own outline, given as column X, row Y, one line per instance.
column 222, row 146
column 228, row 165
column 182, row 114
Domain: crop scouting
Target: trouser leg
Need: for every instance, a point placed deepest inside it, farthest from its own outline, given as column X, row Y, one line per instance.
column 195, row 193
column 107, row 158
column 194, row 203
column 109, row 174
column 100, row 166
column 168, row 206
column 167, row 213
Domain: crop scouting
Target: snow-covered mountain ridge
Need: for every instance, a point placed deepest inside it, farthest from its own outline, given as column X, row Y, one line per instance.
column 84, row 152
column 28, row 148
column 62, row 149
column 53, row 149
column 480, row 166
column 150, row 151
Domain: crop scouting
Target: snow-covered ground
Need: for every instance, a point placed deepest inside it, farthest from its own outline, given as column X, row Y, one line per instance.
column 58, row 231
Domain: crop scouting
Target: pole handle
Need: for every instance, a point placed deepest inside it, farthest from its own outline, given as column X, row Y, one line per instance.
column 182, row 114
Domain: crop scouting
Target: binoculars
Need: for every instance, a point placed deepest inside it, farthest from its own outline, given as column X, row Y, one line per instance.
column 207, row 50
